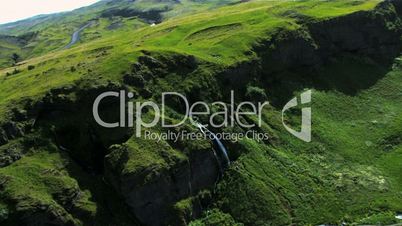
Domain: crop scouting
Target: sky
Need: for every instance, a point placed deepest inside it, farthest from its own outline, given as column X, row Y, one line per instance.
column 13, row 10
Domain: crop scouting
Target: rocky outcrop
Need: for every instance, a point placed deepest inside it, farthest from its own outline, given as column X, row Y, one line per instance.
column 43, row 214
column 10, row 130
column 10, row 154
column 152, row 192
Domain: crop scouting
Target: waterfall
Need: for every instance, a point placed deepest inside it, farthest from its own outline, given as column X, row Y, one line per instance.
column 221, row 148
column 219, row 145
column 217, row 160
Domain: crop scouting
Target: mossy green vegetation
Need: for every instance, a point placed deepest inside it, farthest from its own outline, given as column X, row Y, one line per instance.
column 349, row 173
column 347, row 177
column 215, row 217
column 46, row 185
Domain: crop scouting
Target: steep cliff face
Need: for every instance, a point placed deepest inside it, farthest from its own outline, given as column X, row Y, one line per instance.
column 153, row 178
column 152, row 189
column 289, row 60
column 373, row 34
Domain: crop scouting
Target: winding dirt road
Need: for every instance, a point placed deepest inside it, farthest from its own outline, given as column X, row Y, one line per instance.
column 76, row 35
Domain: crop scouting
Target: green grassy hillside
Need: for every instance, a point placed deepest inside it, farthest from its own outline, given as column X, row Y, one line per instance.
column 234, row 30
column 57, row 165
column 53, row 32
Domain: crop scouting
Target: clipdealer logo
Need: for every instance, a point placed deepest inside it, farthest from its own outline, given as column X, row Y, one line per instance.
column 131, row 113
